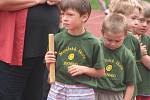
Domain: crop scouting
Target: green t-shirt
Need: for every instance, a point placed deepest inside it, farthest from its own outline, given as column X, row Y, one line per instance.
column 133, row 45
column 144, row 86
column 120, row 68
column 81, row 50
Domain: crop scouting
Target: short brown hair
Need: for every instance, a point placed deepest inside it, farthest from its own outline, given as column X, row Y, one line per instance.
column 114, row 23
column 146, row 8
column 81, row 6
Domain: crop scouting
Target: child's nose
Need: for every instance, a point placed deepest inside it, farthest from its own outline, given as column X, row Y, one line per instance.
column 136, row 22
column 113, row 43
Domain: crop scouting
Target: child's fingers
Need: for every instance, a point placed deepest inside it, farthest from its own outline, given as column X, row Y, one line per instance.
column 50, row 60
column 145, row 52
column 50, row 54
column 141, row 44
column 73, row 70
column 50, row 57
column 143, row 49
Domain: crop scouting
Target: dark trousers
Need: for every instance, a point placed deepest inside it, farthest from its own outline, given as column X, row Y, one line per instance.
column 46, row 86
column 23, row 82
column 34, row 84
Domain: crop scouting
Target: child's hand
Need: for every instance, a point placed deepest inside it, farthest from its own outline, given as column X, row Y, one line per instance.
column 75, row 70
column 143, row 49
column 50, row 57
column 137, row 37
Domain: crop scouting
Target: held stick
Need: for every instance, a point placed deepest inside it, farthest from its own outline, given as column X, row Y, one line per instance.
column 51, row 75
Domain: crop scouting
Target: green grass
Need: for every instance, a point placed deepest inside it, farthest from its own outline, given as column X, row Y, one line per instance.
column 148, row 0
column 95, row 4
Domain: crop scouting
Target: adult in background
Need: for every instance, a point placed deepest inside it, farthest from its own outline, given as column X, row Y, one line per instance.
column 24, row 28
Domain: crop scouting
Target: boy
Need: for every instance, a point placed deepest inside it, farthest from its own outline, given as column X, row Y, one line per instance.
column 144, row 65
column 79, row 55
column 120, row 65
column 131, row 9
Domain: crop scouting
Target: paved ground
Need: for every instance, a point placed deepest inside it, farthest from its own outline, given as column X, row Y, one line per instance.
column 94, row 23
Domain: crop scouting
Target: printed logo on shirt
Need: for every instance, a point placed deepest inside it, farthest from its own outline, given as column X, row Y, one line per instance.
column 113, row 68
column 108, row 68
column 71, row 56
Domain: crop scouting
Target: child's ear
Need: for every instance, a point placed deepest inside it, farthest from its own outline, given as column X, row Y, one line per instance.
column 85, row 17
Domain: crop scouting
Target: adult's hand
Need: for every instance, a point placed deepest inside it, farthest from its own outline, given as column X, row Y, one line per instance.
column 53, row 2
column 41, row 1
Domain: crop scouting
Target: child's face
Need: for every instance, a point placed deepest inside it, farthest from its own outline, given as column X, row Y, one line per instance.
column 143, row 25
column 72, row 20
column 132, row 20
column 113, row 40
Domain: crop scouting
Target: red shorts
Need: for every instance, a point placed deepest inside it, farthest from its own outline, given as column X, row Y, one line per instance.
column 142, row 97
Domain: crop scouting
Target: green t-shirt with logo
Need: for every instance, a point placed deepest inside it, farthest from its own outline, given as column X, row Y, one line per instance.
column 80, row 50
column 120, row 68
column 144, row 86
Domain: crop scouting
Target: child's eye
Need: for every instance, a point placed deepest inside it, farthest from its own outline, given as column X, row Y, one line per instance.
column 133, row 18
column 70, row 14
column 109, row 40
column 148, row 22
column 141, row 20
column 117, row 41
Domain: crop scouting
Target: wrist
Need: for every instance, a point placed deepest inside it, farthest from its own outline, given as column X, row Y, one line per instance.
column 86, row 70
column 41, row 1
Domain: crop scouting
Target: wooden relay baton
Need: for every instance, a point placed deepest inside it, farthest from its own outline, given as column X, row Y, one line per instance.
column 51, row 76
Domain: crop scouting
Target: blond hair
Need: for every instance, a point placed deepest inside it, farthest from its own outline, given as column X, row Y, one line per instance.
column 114, row 23
column 125, row 7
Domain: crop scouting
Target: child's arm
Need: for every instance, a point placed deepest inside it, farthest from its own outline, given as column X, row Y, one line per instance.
column 146, row 61
column 75, row 70
column 145, row 58
column 50, row 58
column 129, row 92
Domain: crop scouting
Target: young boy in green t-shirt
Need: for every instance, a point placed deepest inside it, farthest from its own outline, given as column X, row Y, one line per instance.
column 79, row 59
column 131, row 9
column 120, row 65
column 144, row 66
